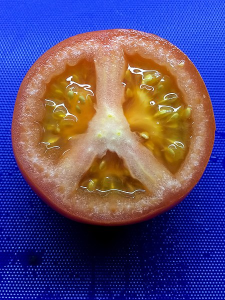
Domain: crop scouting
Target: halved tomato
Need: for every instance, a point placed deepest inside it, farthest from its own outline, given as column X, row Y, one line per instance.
column 113, row 127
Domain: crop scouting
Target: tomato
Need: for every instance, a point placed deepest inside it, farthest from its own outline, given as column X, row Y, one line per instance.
column 113, row 127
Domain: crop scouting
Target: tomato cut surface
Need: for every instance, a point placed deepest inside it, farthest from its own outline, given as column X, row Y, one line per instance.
column 113, row 127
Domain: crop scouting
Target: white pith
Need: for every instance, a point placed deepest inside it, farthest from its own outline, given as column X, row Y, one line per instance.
column 108, row 130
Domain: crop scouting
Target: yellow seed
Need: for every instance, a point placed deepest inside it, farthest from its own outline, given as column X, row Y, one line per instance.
column 129, row 93
column 172, row 125
column 170, row 151
column 129, row 188
column 145, row 135
column 102, row 165
column 63, row 84
column 81, row 99
column 148, row 78
column 151, row 78
column 88, row 98
column 169, row 154
column 92, row 184
column 112, row 185
column 108, row 183
column 164, row 84
column 57, row 130
column 59, row 92
column 75, row 78
column 173, row 118
column 128, row 75
column 59, row 112
column 50, row 126
column 52, row 139
column 161, row 113
column 187, row 113
column 78, row 109
column 143, row 97
column 169, row 140
column 70, row 94
column 160, row 87
column 67, row 123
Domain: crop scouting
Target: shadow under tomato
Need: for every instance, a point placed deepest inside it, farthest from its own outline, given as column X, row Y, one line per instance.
column 99, row 240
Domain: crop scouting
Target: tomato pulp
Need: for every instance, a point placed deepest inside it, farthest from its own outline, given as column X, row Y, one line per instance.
column 113, row 127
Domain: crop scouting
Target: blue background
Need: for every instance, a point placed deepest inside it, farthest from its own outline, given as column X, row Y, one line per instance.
column 178, row 255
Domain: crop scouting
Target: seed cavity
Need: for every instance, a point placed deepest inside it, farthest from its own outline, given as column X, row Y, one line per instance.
column 69, row 105
column 110, row 175
column 156, row 111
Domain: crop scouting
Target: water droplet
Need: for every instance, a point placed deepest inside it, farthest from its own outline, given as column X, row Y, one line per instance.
column 30, row 258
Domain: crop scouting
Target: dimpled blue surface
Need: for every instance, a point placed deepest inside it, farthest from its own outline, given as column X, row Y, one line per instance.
column 178, row 255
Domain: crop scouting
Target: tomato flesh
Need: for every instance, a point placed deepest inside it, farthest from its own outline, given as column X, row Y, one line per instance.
column 113, row 127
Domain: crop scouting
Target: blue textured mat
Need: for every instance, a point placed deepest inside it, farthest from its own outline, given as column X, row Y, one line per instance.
column 178, row 255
